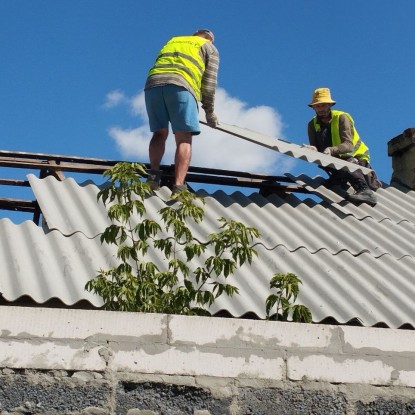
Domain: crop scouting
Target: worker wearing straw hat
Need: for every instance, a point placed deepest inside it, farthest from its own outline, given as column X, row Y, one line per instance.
column 333, row 132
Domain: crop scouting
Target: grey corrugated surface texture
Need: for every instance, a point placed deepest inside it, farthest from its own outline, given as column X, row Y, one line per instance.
column 356, row 262
column 45, row 266
column 291, row 149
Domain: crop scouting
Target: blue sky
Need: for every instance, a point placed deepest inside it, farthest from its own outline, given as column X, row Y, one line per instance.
column 72, row 74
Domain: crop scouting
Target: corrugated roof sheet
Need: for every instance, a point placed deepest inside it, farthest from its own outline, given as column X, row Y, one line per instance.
column 290, row 149
column 45, row 266
column 356, row 262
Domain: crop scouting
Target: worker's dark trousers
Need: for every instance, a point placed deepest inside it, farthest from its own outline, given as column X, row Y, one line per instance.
column 356, row 179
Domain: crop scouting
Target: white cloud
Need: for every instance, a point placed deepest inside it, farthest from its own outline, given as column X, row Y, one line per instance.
column 133, row 143
column 212, row 148
column 139, row 106
column 114, row 98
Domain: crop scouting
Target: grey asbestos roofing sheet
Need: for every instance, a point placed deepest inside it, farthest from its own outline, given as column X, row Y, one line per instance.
column 45, row 266
column 356, row 262
column 394, row 205
column 79, row 204
column 291, row 149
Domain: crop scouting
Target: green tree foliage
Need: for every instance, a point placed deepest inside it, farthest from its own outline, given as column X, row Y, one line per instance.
column 287, row 287
column 137, row 284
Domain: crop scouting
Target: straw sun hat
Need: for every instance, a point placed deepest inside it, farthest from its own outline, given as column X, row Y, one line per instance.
column 321, row 96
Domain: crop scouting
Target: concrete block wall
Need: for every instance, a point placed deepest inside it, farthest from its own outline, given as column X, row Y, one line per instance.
column 64, row 361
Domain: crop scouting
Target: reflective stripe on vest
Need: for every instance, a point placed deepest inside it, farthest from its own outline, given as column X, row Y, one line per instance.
column 360, row 148
column 181, row 56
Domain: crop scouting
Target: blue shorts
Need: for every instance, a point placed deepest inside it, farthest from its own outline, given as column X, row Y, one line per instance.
column 174, row 104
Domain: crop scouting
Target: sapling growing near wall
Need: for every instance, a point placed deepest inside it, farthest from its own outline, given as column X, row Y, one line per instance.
column 137, row 284
column 280, row 305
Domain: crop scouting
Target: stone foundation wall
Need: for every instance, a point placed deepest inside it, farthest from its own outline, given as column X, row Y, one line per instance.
column 56, row 361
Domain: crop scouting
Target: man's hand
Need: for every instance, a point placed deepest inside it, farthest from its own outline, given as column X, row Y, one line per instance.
column 327, row 151
column 212, row 119
column 314, row 148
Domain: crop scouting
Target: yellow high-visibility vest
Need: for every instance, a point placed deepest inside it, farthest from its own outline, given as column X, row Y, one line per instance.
column 180, row 55
column 360, row 148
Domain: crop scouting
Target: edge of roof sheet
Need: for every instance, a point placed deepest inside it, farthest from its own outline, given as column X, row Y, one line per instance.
column 396, row 207
column 290, row 149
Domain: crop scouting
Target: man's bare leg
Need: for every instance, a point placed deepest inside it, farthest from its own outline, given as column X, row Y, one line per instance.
column 157, row 147
column 182, row 156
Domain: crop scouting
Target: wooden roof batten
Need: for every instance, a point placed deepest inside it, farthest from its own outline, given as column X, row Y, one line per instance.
column 56, row 166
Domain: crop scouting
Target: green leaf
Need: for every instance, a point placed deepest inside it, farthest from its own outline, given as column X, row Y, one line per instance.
column 175, row 286
column 270, row 302
column 302, row 314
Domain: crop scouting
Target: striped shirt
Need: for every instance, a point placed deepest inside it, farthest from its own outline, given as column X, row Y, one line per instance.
column 210, row 56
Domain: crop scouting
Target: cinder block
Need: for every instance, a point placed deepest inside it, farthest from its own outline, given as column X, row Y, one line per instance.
column 385, row 406
column 45, row 395
column 404, row 378
column 163, row 398
column 31, row 322
column 296, row 401
column 48, row 355
column 372, row 340
column 199, row 362
column 238, row 333
column 339, row 369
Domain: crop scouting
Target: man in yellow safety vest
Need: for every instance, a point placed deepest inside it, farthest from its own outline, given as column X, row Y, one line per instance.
column 184, row 73
column 333, row 132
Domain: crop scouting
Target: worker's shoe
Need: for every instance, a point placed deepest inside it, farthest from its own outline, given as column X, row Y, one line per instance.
column 177, row 188
column 363, row 194
column 153, row 179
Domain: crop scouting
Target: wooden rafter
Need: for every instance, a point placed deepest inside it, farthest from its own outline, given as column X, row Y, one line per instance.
column 56, row 166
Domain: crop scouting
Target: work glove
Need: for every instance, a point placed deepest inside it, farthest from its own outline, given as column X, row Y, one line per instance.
column 212, row 119
column 314, row 148
column 327, row 151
